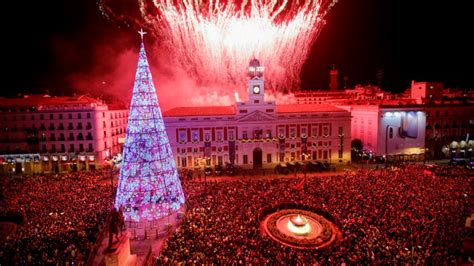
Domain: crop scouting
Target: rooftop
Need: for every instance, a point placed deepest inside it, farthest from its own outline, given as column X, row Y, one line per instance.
column 307, row 108
column 231, row 110
column 43, row 100
column 200, row 111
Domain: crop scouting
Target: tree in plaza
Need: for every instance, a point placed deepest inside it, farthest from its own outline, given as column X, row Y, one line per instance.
column 149, row 186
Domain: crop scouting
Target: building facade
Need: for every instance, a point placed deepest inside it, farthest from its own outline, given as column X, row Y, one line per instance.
column 425, row 92
column 449, row 129
column 397, row 132
column 447, row 114
column 43, row 134
column 450, row 119
column 258, row 133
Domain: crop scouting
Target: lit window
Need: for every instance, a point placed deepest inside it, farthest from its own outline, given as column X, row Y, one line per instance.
column 195, row 136
column 182, row 137
column 292, row 132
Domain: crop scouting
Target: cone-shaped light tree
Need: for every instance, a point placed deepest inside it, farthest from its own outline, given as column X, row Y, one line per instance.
column 149, row 186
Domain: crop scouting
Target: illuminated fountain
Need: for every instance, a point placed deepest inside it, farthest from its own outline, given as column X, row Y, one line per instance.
column 300, row 229
column 299, row 225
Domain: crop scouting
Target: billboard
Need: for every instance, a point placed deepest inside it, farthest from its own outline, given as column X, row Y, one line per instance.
column 409, row 125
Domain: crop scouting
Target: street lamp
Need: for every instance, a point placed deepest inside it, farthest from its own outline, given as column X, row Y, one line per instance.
column 388, row 131
column 112, row 179
column 305, row 156
column 112, row 171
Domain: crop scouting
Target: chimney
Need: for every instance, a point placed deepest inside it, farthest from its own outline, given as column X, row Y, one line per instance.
column 333, row 85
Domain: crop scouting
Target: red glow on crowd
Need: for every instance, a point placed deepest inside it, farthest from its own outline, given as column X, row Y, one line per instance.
column 212, row 40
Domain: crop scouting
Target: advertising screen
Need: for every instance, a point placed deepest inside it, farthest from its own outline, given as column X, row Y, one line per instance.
column 409, row 125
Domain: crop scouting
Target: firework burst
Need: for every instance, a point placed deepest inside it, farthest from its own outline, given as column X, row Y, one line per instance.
column 213, row 40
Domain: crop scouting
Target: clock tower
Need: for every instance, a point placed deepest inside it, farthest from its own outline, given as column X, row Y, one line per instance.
column 255, row 84
column 256, row 105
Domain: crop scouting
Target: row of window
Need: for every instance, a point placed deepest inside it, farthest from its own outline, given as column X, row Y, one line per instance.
column 61, row 116
column 115, row 132
column 454, row 125
column 116, row 115
column 185, row 161
column 51, row 116
column 71, row 148
column 52, row 127
column 446, row 113
column 61, row 126
column 319, row 144
column 61, row 137
column 183, row 137
column 118, row 123
column 115, row 141
column 258, row 133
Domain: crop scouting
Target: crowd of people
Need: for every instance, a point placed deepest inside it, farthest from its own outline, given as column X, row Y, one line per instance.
column 60, row 216
column 389, row 216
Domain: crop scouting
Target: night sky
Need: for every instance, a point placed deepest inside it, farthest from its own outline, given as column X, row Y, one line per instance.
column 52, row 41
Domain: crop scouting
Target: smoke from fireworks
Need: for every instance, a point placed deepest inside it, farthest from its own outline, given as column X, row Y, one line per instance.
column 213, row 40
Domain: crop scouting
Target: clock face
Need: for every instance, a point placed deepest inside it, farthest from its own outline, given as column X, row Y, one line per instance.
column 256, row 89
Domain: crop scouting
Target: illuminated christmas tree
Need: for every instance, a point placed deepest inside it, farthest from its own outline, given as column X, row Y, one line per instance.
column 149, row 186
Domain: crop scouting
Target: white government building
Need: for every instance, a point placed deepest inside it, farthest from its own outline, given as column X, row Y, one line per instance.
column 257, row 133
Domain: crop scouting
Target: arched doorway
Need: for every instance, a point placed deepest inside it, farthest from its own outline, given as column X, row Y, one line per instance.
column 257, row 158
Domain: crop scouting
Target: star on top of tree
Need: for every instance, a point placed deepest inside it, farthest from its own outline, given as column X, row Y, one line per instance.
column 141, row 32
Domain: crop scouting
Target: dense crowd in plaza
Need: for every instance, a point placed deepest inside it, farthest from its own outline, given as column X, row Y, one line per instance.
column 61, row 217
column 392, row 216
